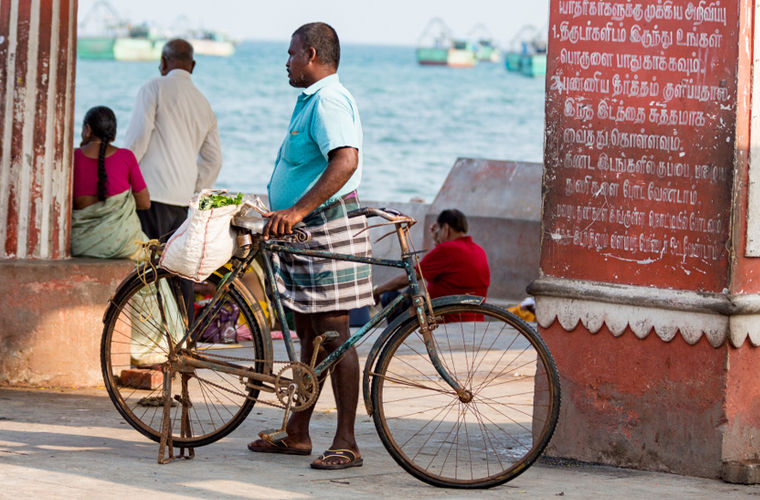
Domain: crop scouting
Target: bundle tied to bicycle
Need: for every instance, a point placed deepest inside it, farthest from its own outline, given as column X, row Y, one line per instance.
column 206, row 240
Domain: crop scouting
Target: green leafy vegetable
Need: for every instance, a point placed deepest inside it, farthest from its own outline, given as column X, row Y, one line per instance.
column 219, row 200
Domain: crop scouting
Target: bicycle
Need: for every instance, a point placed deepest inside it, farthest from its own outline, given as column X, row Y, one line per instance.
column 462, row 393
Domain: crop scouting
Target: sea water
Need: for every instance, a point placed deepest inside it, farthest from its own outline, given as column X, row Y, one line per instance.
column 417, row 120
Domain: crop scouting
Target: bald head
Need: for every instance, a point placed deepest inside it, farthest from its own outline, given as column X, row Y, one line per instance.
column 177, row 54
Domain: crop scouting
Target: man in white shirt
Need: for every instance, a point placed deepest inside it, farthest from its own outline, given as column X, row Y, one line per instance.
column 174, row 135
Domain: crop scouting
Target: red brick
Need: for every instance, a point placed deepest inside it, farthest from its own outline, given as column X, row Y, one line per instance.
column 141, row 378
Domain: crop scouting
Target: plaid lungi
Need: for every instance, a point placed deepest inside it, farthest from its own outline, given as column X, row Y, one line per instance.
column 312, row 284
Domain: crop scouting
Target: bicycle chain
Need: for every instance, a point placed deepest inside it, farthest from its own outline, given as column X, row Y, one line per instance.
column 246, row 396
column 232, row 391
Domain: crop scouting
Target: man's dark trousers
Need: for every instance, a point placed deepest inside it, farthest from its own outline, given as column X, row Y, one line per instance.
column 158, row 223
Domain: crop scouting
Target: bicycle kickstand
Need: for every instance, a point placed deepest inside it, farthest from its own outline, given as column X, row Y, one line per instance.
column 167, row 439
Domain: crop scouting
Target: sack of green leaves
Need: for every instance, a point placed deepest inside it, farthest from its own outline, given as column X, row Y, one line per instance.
column 205, row 241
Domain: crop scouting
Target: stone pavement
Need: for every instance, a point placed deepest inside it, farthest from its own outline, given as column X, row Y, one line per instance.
column 73, row 444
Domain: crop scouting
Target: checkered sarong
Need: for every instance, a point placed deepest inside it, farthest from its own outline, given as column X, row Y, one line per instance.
column 312, row 285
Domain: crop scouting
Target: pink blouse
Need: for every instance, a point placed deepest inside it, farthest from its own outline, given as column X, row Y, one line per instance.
column 122, row 171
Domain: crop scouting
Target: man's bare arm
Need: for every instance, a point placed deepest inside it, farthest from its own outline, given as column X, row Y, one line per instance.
column 342, row 163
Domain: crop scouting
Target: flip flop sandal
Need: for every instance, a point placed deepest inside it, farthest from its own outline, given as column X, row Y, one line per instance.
column 352, row 460
column 278, row 447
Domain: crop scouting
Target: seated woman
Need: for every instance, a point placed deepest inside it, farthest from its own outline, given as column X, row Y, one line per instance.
column 108, row 187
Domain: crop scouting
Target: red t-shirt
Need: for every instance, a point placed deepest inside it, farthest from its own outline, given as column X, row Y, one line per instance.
column 456, row 267
column 122, row 171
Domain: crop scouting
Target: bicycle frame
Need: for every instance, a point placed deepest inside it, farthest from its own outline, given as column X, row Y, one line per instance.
column 418, row 294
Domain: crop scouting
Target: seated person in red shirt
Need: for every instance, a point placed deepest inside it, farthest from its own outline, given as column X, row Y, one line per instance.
column 456, row 266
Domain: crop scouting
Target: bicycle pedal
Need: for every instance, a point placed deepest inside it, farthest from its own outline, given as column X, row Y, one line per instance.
column 331, row 335
column 273, row 436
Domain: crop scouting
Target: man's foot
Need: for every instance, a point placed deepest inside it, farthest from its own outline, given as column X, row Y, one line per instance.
column 337, row 459
column 261, row 446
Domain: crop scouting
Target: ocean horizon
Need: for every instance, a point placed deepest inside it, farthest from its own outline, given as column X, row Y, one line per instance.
column 416, row 120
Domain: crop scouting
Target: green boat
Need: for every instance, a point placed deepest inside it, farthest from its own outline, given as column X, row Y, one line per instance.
column 432, row 56
column 528, row 53
column 104, row 35
column 95, row 47
column 533, row 65
column 436, row 47
column 120, row 49
column 512, row 60
column 485, row 50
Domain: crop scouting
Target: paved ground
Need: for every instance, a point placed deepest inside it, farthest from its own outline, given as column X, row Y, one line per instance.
column 73, row 444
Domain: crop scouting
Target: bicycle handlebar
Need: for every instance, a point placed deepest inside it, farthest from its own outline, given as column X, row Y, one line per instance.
column 301, row 235
column 388, row 214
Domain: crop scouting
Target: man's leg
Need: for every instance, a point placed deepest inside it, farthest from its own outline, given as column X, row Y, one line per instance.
column 344, row 379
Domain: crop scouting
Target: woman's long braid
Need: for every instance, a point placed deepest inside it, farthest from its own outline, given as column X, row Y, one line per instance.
column 102, row 123
column 102, row 176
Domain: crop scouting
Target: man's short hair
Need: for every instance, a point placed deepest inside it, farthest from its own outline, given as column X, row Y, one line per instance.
column 324, row 39
column 454, row 218
column 179, row 50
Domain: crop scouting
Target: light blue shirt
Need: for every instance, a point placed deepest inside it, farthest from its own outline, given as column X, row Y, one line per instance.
column 325, row 118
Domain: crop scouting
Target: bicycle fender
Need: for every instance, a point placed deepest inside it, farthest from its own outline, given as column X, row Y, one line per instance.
column 400, row 321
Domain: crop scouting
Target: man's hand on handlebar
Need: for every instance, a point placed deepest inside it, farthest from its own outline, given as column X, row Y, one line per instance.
column 281, row 222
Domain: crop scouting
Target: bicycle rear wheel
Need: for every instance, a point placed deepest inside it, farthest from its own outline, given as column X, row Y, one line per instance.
column 134, row 347
column 483, row 442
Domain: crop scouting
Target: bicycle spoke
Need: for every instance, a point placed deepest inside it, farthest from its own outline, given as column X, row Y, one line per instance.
column 139, row 331
column 480, row 437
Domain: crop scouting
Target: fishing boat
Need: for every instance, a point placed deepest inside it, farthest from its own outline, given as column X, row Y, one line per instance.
column 437, row 47
column 205, row 42
column 211, row 43
column 527, row 54
column 485, row 50
column 105, row 35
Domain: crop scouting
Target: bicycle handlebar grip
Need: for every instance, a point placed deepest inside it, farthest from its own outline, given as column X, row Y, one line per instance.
column 300, row 235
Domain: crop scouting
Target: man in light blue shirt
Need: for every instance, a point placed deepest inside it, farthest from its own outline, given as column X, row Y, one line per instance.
column 316, row 174
column 325, row 119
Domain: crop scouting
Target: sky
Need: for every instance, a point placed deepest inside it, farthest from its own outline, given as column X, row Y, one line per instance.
column 377, row 22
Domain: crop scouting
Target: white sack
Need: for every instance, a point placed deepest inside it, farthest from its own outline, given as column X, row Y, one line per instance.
column 203, row 243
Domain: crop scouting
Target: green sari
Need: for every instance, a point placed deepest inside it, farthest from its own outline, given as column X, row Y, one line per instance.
column 108, row 229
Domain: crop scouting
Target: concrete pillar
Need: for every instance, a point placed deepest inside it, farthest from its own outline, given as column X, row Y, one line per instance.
column 649, row 289
column 37, row 66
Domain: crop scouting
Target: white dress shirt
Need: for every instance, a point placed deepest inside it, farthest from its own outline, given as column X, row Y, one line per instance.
column 174, row 135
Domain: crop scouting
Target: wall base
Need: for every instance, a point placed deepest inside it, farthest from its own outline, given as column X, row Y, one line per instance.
column 52, row 319
column 653, row 405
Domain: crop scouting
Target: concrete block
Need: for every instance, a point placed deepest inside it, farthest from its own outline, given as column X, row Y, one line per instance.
column 741, row 472
column 502, row 202
column 52, row 315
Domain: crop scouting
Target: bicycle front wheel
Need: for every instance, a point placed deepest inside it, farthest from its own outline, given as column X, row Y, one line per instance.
column 134, row 351
column 477, row 441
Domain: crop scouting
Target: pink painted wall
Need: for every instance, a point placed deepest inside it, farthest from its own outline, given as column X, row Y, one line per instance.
column 52, row 319
column 639, row 403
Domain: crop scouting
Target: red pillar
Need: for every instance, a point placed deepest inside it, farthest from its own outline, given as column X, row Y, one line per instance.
column 649, row 291
column 37, row 69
